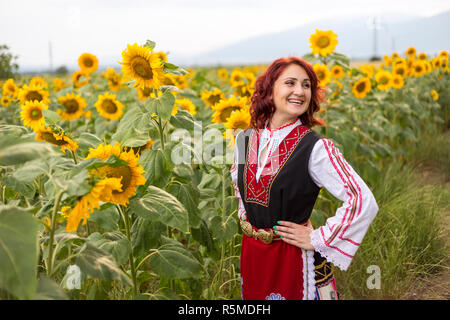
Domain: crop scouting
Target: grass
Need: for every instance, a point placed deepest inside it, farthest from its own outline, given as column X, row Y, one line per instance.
column 406, row 240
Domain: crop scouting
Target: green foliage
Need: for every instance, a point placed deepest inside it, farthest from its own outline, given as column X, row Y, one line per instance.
column 18, row 251
column 8, row 66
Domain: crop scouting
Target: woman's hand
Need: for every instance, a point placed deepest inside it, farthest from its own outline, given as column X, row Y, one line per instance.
column 296, row 234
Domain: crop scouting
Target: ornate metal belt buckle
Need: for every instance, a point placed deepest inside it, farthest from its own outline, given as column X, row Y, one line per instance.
column 262, row 235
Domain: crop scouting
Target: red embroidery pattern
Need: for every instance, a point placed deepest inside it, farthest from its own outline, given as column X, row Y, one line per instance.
column 259, row 191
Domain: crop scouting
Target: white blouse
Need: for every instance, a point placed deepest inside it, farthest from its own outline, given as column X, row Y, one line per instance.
column 340, row 237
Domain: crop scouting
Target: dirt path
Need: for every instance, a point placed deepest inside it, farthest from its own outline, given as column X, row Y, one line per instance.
column 435, row 287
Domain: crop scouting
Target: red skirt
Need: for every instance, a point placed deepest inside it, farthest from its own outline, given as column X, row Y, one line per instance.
column 276, row 271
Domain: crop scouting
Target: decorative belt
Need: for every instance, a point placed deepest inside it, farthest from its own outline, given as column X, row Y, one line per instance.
column 263, row 235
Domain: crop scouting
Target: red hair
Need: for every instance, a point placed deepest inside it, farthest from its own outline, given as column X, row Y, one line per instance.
column 262, row 107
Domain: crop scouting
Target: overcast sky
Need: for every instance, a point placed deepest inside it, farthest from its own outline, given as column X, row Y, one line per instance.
column 104, row 28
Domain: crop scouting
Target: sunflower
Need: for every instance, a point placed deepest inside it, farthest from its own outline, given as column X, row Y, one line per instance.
column 56, row 137
column 337, row 72
column 368, row 70
column 241, row 89
column 418, row 68
column 383, row 79
column 434, row 95
column 443, row 54
column 399, row 61
column 182, row 81
column 336, row 87
column 444, row 63
column 143, row 65
column 387, row 60
column 397, row 81
column 185, row 104
column 224, row 108
column 108, row 107
column 5, row 101
column 38, row 81
column 110, row 72
column 10, row 88
column 422, row 56
column 323, row 73
column 88, row 62
column 161, row 55
column 32, row 115
column 74, row 106
column 238, row 119
column 400, row 70
column 323, row 42
column 76, row 77
column 115, row 82
column 169, row 79
column 236, row 75
column 139, row 149
column 102, row 191
column 211, row 98
column 222, row 73
column 32, row 93
column 361, row 87
column 130, row 174
column 58, row 84
column 144, row 93
column 436, row 63
column 411, row 52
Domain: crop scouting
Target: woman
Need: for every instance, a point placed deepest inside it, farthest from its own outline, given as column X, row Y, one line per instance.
column 280, row 166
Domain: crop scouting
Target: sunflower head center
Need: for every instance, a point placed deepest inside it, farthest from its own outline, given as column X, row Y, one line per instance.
column 323, row 42
column 48, row 136
column 360, row 87
column 36, row 114
column 384, row 80
column 240, row 125
column 123, row 172
column 224, row 115
column 400, row 71
column 142, row 67
column 33, row 95
column 71, row 106
column 213, row 99
column 88, row 62
column 109, row 106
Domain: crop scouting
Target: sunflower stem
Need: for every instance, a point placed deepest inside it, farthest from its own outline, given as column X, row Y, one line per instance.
column 52, row 232
column 74, row 156
column 126, row 220
column 161, row 133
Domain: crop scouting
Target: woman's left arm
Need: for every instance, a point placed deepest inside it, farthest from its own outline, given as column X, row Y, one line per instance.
column 340, row 237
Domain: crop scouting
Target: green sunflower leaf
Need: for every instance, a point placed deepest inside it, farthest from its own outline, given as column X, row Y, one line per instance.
column 18, row 252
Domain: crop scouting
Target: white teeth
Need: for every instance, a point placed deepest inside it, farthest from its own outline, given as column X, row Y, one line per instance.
column 296, row 101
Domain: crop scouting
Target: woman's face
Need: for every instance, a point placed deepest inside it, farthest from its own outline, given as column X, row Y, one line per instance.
column 291, row 93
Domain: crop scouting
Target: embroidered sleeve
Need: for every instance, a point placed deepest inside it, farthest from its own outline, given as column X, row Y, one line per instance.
column 340, row 237
column 234, row 180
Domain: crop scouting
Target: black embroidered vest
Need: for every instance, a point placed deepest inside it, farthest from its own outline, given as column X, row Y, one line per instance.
column 288, row 192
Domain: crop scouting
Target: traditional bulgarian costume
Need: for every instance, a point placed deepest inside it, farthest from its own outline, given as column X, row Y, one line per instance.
column 277, row 175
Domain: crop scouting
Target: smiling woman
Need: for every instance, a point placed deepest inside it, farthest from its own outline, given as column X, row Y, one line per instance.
column 280, row 166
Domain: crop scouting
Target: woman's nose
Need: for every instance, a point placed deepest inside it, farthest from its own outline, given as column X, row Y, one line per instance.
column 298, row 89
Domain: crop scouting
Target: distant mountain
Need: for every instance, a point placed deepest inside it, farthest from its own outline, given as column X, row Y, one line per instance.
column 355, row 36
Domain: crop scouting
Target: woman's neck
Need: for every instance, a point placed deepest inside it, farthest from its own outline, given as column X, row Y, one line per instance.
column 276, row 123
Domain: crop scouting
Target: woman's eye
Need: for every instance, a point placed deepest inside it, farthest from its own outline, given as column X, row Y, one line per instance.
column 306, row 85
column 290, row 83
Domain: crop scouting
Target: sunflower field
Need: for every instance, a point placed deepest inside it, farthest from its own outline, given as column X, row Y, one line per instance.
column 116, row 184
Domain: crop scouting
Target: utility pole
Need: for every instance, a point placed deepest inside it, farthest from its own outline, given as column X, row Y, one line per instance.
column 374, row 24
column 50, row 55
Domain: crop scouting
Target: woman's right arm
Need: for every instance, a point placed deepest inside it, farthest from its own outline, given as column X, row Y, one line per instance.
column 234, row 178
